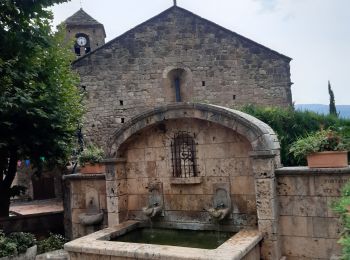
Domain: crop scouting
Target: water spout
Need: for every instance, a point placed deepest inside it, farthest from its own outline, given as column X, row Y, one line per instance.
column 221, row 205
column 93, row 214
column 219, row 213
column 152, row 210
column 155, row 200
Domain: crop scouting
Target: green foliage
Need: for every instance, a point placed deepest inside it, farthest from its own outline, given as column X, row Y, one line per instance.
column 342, row 207
column 7, row 247
column 22, row 240
column 53, row 242
column 15, row 243
column 18, row 242
column 290, row 124
column 324, row 140
column 40, row 104
column 40, row 111
column 91, row 154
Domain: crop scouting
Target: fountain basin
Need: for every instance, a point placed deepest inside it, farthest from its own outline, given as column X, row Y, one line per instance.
column 243, row 245
column 88, row 219
column 205, row 239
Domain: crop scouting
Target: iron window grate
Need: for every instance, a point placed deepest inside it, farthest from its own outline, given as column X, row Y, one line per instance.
column 183, row 153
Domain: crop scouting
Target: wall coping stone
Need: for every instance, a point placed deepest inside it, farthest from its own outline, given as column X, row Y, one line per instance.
column 303, row 170
column 79, row 176
column 19, row 217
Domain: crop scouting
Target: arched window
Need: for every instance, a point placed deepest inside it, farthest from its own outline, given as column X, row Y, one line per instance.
column 183, row 151
column 177, row 80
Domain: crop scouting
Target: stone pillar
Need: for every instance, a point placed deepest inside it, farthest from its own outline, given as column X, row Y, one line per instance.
column 264, row 165
column 77, row 190
column 116, row 191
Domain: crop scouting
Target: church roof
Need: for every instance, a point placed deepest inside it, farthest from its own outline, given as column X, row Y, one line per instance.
column 81, row 18
column 186, row 12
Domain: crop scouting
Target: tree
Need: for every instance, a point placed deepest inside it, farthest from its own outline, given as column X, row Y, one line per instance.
column 40, row 106
column 332, row 107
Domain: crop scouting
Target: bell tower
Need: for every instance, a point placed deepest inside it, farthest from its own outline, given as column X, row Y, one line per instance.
column 88, row 33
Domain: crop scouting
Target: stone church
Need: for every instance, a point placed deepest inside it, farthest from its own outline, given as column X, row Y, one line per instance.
column 159, row 101
column 176, row 56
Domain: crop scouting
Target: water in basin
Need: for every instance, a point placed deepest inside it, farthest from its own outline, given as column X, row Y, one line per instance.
column 176, row 237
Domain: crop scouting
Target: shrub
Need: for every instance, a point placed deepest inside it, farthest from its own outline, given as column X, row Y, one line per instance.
column 7, row 247
column 53, row 242
column 15, row 243
column 342, row 207
column 290, row 124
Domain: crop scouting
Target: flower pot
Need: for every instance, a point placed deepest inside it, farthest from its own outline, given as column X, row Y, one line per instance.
column 328, row 159
column 96, row 168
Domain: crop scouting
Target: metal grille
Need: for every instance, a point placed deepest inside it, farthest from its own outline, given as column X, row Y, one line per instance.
column 183, row 152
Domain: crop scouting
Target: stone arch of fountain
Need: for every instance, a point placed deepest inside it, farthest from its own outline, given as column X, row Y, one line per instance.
column 260, row 135
column 257, row 141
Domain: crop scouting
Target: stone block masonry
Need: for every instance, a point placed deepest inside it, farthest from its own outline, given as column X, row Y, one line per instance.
column 79, row 190
column 136, row 71
column 309, row 229
column 234, row 152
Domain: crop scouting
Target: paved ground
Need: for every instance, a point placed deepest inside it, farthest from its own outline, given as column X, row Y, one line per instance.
column 37, row 206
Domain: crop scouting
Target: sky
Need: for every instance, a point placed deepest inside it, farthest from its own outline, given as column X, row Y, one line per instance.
column 314, row 33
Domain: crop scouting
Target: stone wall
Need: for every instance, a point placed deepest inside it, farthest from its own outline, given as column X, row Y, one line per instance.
column 222, row 159
column 82, row 190
column 308, row 227
column 39, row 224
column 136, row 71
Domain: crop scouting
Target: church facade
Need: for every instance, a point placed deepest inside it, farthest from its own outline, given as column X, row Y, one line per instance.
column 175, row 56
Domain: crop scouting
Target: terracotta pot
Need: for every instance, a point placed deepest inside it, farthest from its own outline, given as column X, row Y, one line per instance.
column 96, row 168
column 328, row 159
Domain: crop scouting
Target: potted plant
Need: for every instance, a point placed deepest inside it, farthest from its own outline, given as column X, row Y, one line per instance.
column 323, row 149
column 90, row 160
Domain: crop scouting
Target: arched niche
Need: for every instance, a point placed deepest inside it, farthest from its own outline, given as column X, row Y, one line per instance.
column 177, row 84
column 264, row 155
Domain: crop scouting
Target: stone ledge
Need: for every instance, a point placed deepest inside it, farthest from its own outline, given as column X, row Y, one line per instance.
column 303, row 170
column 186, row 181
column 79, row 176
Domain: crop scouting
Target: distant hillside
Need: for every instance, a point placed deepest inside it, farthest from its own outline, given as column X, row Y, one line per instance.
column 343, row 110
